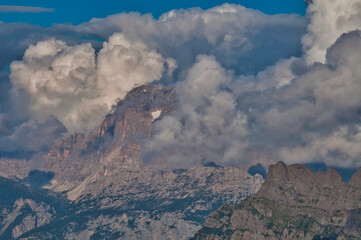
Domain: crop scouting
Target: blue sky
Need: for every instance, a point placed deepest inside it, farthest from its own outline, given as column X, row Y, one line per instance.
column 77, row 11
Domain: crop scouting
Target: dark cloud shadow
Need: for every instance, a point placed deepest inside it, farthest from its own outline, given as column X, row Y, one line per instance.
column 38, row 179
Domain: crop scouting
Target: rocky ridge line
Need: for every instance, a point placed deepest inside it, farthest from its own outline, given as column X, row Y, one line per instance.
column 293, row 203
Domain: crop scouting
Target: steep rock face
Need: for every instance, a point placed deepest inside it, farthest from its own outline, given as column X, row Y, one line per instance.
column 293, row 203
column 64, row 147
column 115, row 196
column 116, row 143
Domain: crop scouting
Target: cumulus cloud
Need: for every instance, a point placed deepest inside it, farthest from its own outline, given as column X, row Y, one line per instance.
column 301, row 109
column 123, row 64
column 61, row 75
column 241, row 39
column 78, row 87
column 329, row 100
column 242, row 84
column 15, row 39
column 316, row 117
column 291, row 111
column 207, row 125
column 328, row 21
column 218, row 116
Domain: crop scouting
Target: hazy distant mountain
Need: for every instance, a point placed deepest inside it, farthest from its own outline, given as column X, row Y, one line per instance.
column 293, row 203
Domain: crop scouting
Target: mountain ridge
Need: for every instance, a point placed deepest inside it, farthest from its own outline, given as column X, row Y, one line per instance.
column 114, row 195
column 293, row 203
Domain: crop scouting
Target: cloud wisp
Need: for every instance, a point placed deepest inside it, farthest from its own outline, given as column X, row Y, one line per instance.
column 23, row 9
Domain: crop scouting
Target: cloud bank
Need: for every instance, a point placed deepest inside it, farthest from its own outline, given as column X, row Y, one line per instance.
column 294, row 111
column 75, row 73
column 241, row 39
column 313, row 116
column 247, row 89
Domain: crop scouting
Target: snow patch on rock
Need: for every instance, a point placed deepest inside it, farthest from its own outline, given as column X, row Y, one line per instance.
column 156, row 114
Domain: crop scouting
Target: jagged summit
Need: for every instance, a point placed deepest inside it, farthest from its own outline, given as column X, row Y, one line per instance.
column 141, row 100
column 301, row 173
column 116, row 144
column 293, row 203
column 278, row 171
column 356, row 179
column 114, row 196
column 130, row 117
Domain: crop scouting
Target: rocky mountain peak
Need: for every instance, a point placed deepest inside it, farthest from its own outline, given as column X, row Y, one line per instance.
column 278, row 171
column 331, row 177
column 293, row 203
column 299, row 173
column 355, row 180
column 129, row 120
column 116, row 144
column 114, row 196
column 137, row 108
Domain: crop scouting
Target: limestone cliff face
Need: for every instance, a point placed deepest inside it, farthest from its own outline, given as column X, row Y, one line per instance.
column 64, row 147
column 129, row 122
column 115, row 145
column 293, row 203
column 115, row 196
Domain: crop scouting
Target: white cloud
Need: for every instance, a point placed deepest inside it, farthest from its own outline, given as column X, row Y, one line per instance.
column 78, row 87
column 77, row 82
column 328, row 20
column 316, row 116
column 207, row 125
column 242, row 39
column 291, row 111
column 250, row 89
column 122, row 64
